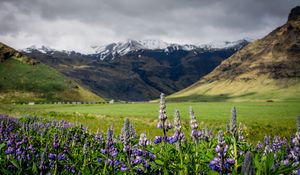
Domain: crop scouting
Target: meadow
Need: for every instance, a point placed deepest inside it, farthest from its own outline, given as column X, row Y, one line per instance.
column 258, row 118
column 181, row 144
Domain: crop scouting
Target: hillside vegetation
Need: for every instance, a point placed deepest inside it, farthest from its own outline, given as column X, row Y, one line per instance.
column 267, row 69
column 24, row 79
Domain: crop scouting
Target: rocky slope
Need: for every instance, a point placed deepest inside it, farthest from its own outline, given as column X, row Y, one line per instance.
column 137, row 70
column 268, row 68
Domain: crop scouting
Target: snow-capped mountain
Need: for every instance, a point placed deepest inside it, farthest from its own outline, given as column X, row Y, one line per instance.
column 42, row 49
column 122, row 48
column 137, row 69
column 113, row 50
column 225, row 44
column 45, row 50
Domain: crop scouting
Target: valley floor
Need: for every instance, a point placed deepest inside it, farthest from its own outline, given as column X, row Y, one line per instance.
column 258, row 118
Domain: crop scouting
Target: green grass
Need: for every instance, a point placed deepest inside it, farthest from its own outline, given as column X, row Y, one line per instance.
column 20, row 82
column 259, row 118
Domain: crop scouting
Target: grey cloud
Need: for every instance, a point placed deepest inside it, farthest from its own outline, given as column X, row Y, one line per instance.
column 78, row 24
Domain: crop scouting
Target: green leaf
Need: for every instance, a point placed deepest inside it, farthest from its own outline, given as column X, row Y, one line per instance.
column 15, row 163
column 34, row 168
column 2, row 146
column 159, row 162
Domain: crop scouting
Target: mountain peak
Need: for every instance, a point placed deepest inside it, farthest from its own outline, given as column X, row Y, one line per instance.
column 43, row 49
column 294, row 14
column 122, row 48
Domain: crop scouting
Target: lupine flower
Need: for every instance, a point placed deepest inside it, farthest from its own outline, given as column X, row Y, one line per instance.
column 85, row 147
column 259, row 145
column 295, row 153
column 52, row 156
column 125, row 135
column 194, row 125
column 109, row 146
column 268, row 148
column 61, row 157
column 163, row 117
column 232, row 126
column 55, row 142
column 241, row 137
column 221, row 162
column 178, row 134
column 157, row 139
column 123, row 167
column 10, row 150
column 98, row 136
column 248, row 168
column 132, row 131
column 143, row 141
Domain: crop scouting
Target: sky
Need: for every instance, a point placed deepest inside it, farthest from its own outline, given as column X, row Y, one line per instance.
column 79, row 24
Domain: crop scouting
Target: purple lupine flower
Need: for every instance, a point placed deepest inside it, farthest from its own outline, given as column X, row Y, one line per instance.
column 10, row 150
column 248, row 167
column 159, row 125
column 132, row 132
column 117, row 162
column 123, row 167
column 109, row 145
column 241, row 137
column 259, row 146
column 295, row 152
column 266, row 140
column 157, row 139
column 169, row 126
column 178, row 134
column 99, row 159
column 98, row 136
column 221, row 162
column 143, row 141
column 55, row 142
column 194, row 125
column 125, row 135
column 61, row 157
column 52, row 156
column 140, row 171
column 137, row 160
column 162, row 117
column 277, row 143
column 19, row 151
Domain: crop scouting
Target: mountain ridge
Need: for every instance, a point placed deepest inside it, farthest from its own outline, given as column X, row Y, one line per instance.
column 139, row 75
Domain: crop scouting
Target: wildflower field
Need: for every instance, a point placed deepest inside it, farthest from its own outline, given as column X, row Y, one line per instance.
column 45, row 145
column 257, row 118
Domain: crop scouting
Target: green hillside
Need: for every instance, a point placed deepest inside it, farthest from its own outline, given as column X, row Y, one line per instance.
column 24, row 80
column 266, row 70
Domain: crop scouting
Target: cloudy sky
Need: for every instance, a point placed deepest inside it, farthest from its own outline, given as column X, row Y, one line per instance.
column 80, row 24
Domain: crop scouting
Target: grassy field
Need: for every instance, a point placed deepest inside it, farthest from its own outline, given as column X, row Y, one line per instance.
column 259, row 118
column 20, row 82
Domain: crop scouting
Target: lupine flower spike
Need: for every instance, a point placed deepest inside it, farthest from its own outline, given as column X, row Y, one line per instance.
column 232, row 126
column 248, row 168
column 194, row 125
column 221, row 162
column 162, row 120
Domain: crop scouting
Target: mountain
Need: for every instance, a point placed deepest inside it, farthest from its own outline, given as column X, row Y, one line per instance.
column 122, row 48
column 136, row 70
column 24, row 79
column 267, row 69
